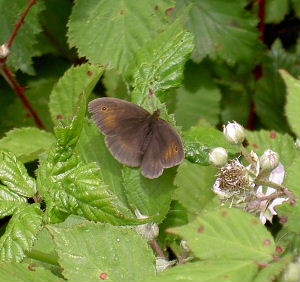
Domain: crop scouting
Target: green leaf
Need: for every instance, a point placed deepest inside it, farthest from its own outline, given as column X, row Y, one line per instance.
column 69, row 186
column 200, row 139
column 125, row 27
column 194, row 186
column 92, row 148
column 152, row 197
column 293, row 101
column 222, row 30
column 270, row 94
column 13, row 174
column 24, row 272
column 75, row 81
column 20, row 233
column 289, row 214
column 160, row 63
column 210, row 271
column 198, row 98
column 283, row 144
column 27, row 143
column 276, row 10
column 9, row 201
column 268, row 273
column 96, row 251
column 22, row 49
column 228, row 234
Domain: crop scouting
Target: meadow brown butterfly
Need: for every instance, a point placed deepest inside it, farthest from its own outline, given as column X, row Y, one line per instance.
column 137, row 138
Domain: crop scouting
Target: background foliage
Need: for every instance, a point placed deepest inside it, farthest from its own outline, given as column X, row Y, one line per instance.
column 67, row 207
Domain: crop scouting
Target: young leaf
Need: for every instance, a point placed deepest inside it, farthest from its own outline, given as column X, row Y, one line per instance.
column 69, row 186
column 100, row 251
column 27, row 143
column 194, row 186
column 222, row 30
column 161, row 62
column 20, row 233
column 24, row 272
column 228, row 234
column 259, row 141
column 13, row 174
column 23, row 48
column 9, row 201
column 92, row 148
column 293, row 101
column 209, row 271
column 289, row 214
column 75, row 81
column 125, row 27
column 150, row 197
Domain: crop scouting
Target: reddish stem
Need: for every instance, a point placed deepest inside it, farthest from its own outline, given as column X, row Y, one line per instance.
column 20, row 23
column 157, row 248
column 20, row 92
column 10, row 76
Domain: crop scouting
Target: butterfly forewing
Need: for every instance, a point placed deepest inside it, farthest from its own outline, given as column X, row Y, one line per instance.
column 124, row 124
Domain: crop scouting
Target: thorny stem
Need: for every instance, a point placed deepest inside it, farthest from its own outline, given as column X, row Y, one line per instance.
column 9, row 76
column 157, row 248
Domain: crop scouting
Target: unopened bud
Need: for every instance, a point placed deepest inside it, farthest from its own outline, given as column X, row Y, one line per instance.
column 269, row 160
column 4, row 51
column 218, row 157
column 234, row 133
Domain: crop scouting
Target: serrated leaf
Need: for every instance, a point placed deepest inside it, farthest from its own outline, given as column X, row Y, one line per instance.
column 221, row 27
column 20, row 233
column 23, row 48
column 9, row 201
column 125, row 27
column 160, row 63
column 13, row 174
column 92, row 148
column 210, row 271
column 198, row 98
column 69, row 186
column 283, row 144
column 270, row 94
column 98, row 251
column 228, row 233
column 74, row 82
column 268, row 273
column 27, row 143
column 194, row 186
column 150, row 197
column 25, row 272
column 289, row 214
column 293, row 100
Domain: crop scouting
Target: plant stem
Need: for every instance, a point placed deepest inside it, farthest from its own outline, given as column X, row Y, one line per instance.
column 157, row 248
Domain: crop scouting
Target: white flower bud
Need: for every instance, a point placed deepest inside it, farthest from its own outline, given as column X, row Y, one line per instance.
column 234, row 133
column 269, row 160
column 4, row 51
column 218, row 157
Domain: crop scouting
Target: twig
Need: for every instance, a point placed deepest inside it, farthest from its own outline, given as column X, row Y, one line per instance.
column 20, row 23
column 157, row 248
column 9, row 76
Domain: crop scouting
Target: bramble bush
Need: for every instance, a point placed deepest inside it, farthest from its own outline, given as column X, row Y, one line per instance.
column 70, row 211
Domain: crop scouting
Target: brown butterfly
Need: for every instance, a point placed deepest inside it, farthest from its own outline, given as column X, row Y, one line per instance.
column 137, row 138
